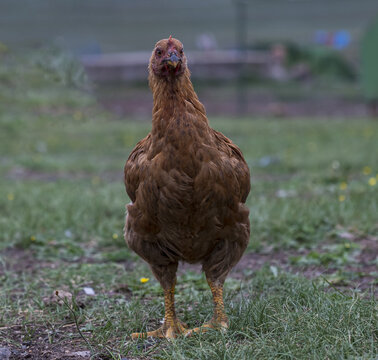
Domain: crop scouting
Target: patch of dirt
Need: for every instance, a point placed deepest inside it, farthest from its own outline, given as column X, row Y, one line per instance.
column 18, row 260
column 42, row 343
column 363, row 266
column 140, row 105
column 29, row 341
column 23, row 260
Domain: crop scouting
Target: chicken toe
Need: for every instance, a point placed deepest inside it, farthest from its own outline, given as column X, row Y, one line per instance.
column 169, row 331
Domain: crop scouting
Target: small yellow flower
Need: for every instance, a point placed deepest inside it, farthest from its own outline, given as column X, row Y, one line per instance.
column 372, row 181
column 96, row 180
column 144, row 280
column 78, row 115
column 312, row 146
column 347, row 246
column 10, row 196
column 341, row 198
column 32, row 238
column 366, row 170
column 115, row 236
column 368, row 132
column 343, row 185
column 3, row 48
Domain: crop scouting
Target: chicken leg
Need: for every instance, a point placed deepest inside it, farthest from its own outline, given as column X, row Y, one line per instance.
column 219, row 319
column 172, row 326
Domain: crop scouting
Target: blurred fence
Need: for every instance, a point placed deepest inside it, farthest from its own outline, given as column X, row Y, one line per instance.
column 207, row 65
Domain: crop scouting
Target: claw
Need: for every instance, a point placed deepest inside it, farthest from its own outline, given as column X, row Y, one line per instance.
column 173, row 327
column 167, row 332
column 213, row 324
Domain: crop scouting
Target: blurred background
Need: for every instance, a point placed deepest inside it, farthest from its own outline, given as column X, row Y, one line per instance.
column 279, row 58
column 293, row 83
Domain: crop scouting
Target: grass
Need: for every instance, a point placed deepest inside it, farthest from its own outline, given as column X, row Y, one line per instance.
column 62, row 200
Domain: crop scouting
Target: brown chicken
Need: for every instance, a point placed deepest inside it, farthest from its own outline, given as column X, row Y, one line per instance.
column 188, row 184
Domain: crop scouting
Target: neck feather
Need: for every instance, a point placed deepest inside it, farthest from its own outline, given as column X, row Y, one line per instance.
column 174, row 97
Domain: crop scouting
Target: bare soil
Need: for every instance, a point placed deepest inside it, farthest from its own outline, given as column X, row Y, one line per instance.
column 364, row 265
column 22, row 260
column 140, row 105
column 18, row 260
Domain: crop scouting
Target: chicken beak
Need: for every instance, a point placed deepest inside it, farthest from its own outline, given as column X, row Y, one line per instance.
column 173, row 61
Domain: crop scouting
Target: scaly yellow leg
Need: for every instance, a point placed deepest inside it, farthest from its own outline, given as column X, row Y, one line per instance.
column 219, row 320
column 172, row 326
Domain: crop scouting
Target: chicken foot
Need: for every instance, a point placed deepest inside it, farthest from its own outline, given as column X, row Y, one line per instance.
column 219, row 319
column 172, row 326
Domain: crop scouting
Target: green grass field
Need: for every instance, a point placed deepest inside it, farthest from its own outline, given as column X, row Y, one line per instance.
column 304, row 290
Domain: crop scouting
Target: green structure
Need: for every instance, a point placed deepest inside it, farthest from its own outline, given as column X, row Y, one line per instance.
column 369, row 64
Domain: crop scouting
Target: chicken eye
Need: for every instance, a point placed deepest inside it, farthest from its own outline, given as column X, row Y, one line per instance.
column 158, row 52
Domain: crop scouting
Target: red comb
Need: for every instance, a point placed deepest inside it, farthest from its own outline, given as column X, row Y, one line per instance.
column 170, row 38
